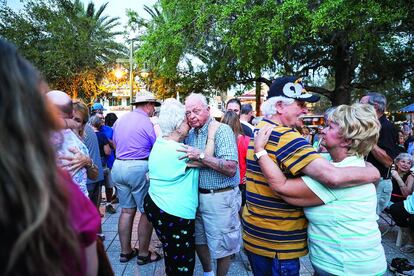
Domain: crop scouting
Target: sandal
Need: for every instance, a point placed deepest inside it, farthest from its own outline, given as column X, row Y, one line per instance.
column 123, row 258
column 408, row 248
column 143, row 260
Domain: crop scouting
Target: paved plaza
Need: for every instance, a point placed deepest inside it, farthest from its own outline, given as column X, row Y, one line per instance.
column 238, row 267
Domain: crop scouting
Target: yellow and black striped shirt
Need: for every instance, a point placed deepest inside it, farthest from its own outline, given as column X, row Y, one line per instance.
column 272, row 227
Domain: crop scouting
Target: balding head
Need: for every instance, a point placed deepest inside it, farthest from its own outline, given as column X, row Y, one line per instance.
column 62, row 101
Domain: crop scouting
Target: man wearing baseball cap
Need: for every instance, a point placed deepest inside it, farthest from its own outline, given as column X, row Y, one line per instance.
column 275, row 232
column 134, row 137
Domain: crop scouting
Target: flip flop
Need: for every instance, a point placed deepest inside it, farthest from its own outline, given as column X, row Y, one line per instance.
column 408, row 248
column 123, row 258
column 143, row 260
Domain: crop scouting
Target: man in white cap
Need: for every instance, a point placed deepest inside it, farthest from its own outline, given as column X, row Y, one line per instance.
column 134, row 137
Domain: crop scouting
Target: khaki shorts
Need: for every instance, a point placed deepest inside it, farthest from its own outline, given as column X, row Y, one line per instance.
column 218, row 223
column 384, row 190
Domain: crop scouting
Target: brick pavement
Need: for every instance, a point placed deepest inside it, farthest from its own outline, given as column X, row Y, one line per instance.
column 238, row 266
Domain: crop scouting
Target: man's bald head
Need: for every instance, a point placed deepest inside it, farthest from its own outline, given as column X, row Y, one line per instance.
column 62, row 101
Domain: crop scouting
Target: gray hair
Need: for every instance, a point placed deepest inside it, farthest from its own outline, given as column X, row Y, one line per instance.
column 96, row 121
column 377, row 100
column 172, row 115
column 404, row 156
column 199, row 97
column 268, row 108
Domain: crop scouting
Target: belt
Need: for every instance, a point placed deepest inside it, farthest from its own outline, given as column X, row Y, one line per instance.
column 146, row 158
column 210, row 191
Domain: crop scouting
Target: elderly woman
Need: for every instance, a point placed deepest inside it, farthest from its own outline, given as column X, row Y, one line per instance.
column 402, row 177
column 172, row 197
column 344, row 238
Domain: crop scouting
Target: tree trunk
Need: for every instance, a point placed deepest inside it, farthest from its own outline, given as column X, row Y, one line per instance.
column 343, row 73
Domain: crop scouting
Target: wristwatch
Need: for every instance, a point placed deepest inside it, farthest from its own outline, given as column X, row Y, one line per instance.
column 201, row 156
column 259, row 154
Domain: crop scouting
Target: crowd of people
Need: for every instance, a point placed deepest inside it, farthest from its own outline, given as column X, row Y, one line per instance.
column 207, row 187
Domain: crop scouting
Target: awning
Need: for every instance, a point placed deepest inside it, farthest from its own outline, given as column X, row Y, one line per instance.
column 408, row 108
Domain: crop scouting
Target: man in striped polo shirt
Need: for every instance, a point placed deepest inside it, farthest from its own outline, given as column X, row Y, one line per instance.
column 274, row 232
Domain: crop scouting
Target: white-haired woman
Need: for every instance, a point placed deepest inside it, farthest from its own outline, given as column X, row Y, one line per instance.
column 172, row 197
column 343, row 232
column 402, row 177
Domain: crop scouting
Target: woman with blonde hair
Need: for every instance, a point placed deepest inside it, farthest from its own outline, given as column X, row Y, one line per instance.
column 343, row 233
column 48, row 226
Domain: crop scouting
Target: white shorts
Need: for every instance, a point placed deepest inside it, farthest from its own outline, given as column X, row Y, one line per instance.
column 218, row 224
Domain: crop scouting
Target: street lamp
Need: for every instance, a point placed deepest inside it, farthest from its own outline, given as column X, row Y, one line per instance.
column 131, row 73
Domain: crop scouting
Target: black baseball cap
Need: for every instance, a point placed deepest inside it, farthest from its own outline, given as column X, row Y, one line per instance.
column 291, row 87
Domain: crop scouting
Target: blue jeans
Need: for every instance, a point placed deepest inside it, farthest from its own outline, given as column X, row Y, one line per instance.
column 265, row 266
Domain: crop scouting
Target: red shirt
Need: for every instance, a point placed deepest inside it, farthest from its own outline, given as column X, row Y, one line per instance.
column 242, row 145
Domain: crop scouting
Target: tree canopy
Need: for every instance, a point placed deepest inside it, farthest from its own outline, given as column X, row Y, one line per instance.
column 341, row 48
column 72, row 45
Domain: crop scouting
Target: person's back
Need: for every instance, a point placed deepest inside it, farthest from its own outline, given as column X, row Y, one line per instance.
column 133, row 141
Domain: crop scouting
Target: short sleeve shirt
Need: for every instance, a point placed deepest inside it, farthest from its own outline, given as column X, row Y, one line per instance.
column 225, row 147
column 171, row 181
column 71, row 140
column 134, row 135
column 272, row 227
column 344, row 238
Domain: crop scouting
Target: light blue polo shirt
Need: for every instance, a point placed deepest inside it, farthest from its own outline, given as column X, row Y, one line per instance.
column 173, row 187
column 344, row 238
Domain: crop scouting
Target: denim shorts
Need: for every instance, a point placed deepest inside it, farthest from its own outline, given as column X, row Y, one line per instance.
column 131, row 180
column 384, row 190
column 218, row 223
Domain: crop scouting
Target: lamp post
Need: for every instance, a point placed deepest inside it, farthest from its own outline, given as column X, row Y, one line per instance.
column 131, row 73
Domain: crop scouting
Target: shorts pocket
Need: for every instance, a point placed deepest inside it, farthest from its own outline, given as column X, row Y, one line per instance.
column 232, row 239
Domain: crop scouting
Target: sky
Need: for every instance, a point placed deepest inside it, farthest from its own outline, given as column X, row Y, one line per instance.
column 115, row 8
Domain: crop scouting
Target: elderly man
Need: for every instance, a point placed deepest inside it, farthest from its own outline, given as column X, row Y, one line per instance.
column 217, row 220
column 71, row 151
column 383, row 154
column 134, row 137
column 274, row 232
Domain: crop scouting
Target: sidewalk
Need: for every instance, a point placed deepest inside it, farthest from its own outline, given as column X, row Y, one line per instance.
column 238, row 266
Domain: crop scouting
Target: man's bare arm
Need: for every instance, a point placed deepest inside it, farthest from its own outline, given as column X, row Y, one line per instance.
column 320, row 168
column 226, row 167
column 294, row 191
column 334, row 177
column 381, row 156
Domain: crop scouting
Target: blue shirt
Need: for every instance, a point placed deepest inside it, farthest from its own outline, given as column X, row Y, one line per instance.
column 134, row 135
column 225, row 148
column 173, row 186
column 109, row 133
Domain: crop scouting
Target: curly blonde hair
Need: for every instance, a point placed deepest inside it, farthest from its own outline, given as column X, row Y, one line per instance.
column 359, row 124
